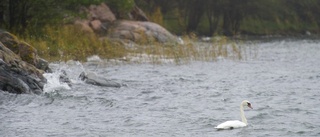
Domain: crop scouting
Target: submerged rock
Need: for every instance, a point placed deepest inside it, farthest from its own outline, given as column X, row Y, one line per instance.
column 92, row 78
column 63, row 78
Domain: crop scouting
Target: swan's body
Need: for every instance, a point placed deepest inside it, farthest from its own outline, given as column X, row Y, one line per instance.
column 236, row 123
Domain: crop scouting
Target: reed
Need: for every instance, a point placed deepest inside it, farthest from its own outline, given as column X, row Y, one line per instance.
column 193, row 50
column 67, row 42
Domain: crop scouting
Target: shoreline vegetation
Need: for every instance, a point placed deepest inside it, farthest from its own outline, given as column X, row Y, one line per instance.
column 48, row 26
column 70, row 43
column 234, row 17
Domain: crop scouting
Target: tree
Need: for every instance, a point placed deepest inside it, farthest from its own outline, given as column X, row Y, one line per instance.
column 214, row 13
column 17, row 15
column 194, row 11
column 120, row 7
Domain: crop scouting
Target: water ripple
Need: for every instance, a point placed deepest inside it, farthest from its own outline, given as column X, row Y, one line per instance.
column 183, row 100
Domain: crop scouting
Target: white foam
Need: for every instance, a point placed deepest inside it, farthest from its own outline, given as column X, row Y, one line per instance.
column 94, row 58
column 53, row 83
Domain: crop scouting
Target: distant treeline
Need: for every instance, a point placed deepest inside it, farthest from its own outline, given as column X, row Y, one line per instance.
column 203, row 17
column 230, row 17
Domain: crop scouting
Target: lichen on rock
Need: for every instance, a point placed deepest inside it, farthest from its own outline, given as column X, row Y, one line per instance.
column 18, row 74
column 102, row 21
column 141, row 32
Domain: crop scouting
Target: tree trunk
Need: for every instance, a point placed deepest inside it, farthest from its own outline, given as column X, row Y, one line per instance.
column 196, row 10
column 226, row 24
column 12, row 19
column 23, row 14
column 2, row 10
column 213, row 19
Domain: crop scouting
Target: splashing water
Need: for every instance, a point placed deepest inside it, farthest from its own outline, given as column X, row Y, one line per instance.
column 282, row 83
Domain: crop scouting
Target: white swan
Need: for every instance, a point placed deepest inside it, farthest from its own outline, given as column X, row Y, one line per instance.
column 236, row 123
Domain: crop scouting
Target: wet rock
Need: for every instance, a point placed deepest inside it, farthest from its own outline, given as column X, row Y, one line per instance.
column 92, row 78
column 25, row 51
column 63, row 78
column 28, row 53
column 43, row 65
column 18, row 76
column 10, row 41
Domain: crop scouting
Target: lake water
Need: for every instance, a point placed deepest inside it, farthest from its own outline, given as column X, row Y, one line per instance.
column 282, row 82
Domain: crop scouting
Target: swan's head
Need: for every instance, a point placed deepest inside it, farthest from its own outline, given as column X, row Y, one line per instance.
column 246, row 103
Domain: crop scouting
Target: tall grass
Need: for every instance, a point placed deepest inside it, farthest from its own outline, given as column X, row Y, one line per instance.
column 193, row 50
column 68, row 42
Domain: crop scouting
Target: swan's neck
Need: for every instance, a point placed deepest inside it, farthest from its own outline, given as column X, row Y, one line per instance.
column 243, row 118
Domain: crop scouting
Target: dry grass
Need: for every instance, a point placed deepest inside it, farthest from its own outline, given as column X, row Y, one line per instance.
column 192, row 50
column 67, row 42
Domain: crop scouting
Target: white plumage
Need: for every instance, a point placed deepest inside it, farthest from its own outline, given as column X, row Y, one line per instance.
column 236, row 123
column 231, row 124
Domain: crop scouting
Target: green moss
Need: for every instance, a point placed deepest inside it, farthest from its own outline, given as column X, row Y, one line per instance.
column 10, row 41
column 27, row 53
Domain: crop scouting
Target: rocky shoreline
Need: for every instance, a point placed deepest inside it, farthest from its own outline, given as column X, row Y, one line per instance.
column 24, row 74
column 21, row 68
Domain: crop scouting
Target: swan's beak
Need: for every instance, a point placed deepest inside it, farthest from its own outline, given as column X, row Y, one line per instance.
column 249, row 105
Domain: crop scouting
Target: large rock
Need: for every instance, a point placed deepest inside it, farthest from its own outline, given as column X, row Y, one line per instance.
column 18, row 76
column 99, row 19
column 137, row 14
column 92, row 78
column 102, row 21
column 26, row 52
column 83, row 25
column 141, row 32
column 10, row 41
column 101, row 12
column 19, row 63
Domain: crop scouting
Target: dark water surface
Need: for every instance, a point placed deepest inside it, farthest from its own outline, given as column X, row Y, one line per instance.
column 282, row 82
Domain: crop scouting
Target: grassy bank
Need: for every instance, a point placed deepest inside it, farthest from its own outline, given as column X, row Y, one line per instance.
column 68, row 42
